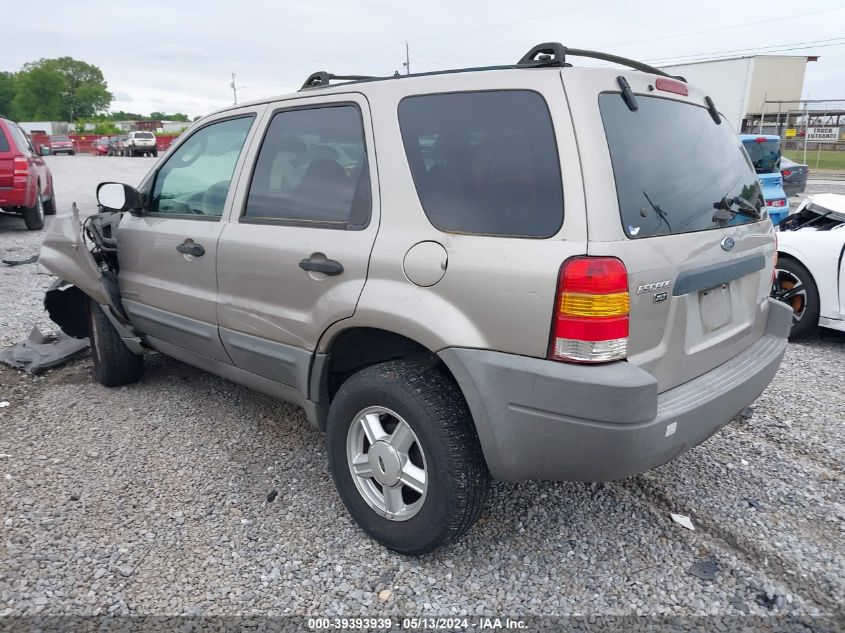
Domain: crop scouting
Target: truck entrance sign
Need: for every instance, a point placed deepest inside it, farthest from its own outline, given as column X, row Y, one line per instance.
column 823, row 134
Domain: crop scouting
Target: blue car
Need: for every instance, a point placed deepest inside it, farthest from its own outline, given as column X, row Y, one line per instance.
column 764, row 152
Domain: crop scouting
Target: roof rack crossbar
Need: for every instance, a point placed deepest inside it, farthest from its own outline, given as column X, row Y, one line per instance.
column 322, row 78
column 554, row 54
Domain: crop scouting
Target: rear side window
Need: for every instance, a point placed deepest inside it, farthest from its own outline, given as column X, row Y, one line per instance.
column 672, row 164
column 21, row 139
column 312, row 168
column 4, row 142
column 484, row 163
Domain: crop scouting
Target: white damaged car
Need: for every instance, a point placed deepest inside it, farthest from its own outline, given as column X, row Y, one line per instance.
column 810, row 272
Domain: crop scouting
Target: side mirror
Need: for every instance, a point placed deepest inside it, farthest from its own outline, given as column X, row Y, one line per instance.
column 116, row 196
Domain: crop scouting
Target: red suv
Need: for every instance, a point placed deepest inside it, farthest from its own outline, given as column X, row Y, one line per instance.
column 26, row 184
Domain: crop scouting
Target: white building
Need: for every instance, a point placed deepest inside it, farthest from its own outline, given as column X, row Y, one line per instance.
column 740, row 86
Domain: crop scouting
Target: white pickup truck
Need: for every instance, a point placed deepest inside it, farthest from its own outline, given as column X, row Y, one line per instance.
column 140, row 144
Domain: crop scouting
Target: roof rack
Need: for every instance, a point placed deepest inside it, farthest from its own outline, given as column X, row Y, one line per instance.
column 541, row 56
column 322, row 78
column 554, row 54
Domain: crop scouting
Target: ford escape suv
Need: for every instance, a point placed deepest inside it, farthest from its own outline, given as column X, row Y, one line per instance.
column 524, row 271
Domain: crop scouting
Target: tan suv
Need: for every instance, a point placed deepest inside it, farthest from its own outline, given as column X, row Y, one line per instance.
column 526, row 271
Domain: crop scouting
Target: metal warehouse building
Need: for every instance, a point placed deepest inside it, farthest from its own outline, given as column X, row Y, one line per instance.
column 744, row 88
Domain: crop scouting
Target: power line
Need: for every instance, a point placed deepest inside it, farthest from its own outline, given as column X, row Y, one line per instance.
column 722, row 28
column 816, row 43
column 717, row 59
column 484, row 28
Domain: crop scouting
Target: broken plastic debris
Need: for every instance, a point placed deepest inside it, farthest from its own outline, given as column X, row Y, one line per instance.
column 704, row 569
column 20, row 262
column 39, row 352
column 683, row 520
column 5, row 403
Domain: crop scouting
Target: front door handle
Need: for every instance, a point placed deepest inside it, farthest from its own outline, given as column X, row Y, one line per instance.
column 322, row 265
column 189, row 247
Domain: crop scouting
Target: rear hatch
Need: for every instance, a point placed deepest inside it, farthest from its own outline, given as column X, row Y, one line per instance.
column 665, row 186
column 144, row 139
column 7, row 152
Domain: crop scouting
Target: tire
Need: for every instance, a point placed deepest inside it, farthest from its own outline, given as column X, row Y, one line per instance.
column 34, row 217
column 114, row 363
column 71, row 153
column 444, row 449
column 50, row 206
column 155, row 153
column 790, row 275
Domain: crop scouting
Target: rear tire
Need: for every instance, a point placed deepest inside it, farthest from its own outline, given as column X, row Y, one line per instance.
column 791, row 274
column 50, row 206
column 34, row 217
column 114, row 363
column 441, row 452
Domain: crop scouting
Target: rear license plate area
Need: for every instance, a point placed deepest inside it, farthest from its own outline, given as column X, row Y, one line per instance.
column 715, row 307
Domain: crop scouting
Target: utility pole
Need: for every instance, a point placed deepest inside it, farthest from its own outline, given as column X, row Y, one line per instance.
column 407, row 63
column 234, row 89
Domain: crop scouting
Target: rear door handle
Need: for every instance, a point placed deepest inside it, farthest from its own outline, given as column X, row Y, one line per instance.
column 326, row 266
column 189, row 247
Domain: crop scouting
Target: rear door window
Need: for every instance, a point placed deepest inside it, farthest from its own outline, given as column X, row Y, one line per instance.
column 312, row 168
column 672, row 164
column 484, row 163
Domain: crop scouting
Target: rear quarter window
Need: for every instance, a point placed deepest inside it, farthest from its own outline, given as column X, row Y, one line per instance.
column 484, row 163
column 4, row 141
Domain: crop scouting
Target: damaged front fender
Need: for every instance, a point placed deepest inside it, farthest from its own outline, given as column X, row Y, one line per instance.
column 83, row 255
column 65, row 254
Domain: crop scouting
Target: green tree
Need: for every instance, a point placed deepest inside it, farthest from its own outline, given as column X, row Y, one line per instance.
column 106, row 128
column 7, row 95
column 85, row 91
column 38, row 95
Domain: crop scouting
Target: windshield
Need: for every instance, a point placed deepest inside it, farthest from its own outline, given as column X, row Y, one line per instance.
column 675, row 167
column 764, row 154
column 59, row 138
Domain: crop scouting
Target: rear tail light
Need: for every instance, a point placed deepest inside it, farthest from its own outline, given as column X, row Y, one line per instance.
column 590, row 323
column 20, row 165
column 786, row 173
column 776, row 203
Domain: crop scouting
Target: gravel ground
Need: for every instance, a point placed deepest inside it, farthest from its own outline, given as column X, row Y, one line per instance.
column 153, row 499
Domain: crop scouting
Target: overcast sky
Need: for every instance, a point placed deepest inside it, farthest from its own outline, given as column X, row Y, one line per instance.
column 178, row 55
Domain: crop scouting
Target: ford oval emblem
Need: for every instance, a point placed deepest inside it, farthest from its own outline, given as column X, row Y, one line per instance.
column 727, row 243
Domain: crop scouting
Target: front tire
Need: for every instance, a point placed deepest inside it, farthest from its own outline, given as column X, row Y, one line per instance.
column 114, row 363
column 404, row 429
column 34, row 217
column 795, row 286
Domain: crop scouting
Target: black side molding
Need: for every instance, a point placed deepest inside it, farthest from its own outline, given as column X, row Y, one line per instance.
column 627, row 94
column 717, row 274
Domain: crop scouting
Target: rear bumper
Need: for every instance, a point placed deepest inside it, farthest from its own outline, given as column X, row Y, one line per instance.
column 17, row 196
column 794, row 188
column 539, row 419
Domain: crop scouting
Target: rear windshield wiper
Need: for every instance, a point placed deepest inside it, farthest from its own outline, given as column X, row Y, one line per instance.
column 725, row 211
